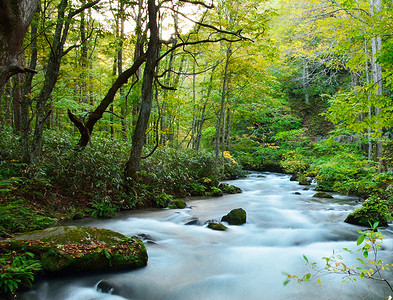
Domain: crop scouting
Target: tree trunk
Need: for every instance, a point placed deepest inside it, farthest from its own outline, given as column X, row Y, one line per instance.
column 133, row 164
column 57, row 52
column 137, row 53
column 15, row 18
column 305, row 82
column 17, row 95
column 51, row 74
column 26, row 101
column 221, row 112
column 376, row 45
column 203, row 114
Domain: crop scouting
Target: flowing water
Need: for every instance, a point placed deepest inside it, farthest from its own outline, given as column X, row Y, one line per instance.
column 188, row 262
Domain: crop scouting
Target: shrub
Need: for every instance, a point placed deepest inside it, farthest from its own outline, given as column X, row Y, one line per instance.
column 163, row 200
column 103, row 208
column 373, row 210
column 17, row 216
column 16, row 270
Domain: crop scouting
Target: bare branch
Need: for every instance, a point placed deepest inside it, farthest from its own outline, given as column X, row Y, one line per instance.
column 186, row 74
column 82, row 8
column 112, row 113
column 164, row 86
column 197, row 43
column 199, row 3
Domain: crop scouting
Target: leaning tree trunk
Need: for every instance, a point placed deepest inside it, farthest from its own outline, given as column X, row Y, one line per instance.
column 15, row 18
column 133, row 164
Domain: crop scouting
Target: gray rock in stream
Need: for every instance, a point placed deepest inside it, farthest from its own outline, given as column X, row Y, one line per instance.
column 193, row 221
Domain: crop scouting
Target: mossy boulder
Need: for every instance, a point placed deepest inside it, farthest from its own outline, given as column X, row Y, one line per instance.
column 75, row 249
column 236, row 216
column 373, row 210
column 217, row 226
column 323, row 195
column 229, row 189
column 177, row 204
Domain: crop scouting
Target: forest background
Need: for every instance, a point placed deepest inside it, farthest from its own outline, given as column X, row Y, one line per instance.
column 112, row 105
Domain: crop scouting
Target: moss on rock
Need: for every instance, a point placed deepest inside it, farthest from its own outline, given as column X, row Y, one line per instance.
column 229, row 189
column 236, row 216
column 73, row 249
column 177, row 204
column 322, row 195
column 217, row 226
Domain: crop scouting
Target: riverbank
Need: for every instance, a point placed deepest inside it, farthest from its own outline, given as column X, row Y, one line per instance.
column 284, row 222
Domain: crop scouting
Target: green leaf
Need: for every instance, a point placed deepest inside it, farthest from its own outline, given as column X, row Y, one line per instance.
column 360, row 239
column 306, row 259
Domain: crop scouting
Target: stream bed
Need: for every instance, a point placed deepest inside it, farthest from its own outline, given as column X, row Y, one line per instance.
column 247, row 262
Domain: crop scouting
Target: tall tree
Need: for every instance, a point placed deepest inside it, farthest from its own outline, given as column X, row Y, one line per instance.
column 57, row 52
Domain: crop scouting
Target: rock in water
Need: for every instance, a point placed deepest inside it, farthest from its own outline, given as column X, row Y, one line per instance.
column 236, row 216
column 177, row 204
column 73, row 249
column 107, row 287
column 229, row 189
column 217, row 226
column 322, row 195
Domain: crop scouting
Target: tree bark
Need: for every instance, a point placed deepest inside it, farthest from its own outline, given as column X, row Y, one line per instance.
column 26, row 101
column 17, row 95
column 133, row 164
column 15, row 18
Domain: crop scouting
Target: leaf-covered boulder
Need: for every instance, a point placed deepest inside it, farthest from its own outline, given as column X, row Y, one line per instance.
column 75, row 249
column 236, row 216
column 373, row 210
column 322, row 195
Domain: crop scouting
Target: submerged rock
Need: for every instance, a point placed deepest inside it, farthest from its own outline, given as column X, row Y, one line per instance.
column 73, row 249
column 322, row 195
column 236, row 216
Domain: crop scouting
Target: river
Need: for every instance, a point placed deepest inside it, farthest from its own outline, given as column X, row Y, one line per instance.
column 247, row 262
